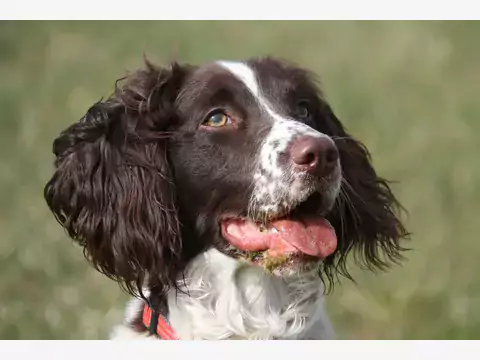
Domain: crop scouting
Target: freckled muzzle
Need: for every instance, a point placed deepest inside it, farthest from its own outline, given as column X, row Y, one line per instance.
column 294, row 162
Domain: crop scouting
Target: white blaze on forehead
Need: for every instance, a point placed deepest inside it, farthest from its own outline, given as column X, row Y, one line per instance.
column 276, row 186
column 245, row 74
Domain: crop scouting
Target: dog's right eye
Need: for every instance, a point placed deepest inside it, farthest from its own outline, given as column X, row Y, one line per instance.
column 217, row 119
column 302, row 111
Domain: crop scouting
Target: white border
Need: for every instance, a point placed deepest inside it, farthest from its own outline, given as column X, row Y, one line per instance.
column 291, row 350
column 239, row 9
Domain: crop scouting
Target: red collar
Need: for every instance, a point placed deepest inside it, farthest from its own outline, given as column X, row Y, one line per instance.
column 157, row 324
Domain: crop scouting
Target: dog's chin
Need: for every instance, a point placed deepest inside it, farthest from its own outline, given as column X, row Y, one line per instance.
column 287, row 243
column 287, row 265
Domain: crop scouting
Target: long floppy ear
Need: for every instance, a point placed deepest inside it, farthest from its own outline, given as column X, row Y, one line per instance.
column 112, row 189
column 366, row 214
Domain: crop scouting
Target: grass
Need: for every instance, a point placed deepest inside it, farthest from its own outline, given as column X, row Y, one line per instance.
column 409, row 90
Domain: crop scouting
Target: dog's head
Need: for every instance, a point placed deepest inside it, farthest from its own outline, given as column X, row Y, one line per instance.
column 247, row 157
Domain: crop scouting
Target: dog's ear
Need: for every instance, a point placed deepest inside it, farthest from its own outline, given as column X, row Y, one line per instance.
column 366, row 213
column 112, row 189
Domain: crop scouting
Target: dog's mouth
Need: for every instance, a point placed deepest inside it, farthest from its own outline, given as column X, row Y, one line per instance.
column 299, row 236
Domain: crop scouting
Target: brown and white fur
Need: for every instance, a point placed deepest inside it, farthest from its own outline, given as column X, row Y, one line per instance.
column 144, row 182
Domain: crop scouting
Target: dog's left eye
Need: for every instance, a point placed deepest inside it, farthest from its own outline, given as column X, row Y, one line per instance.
column 218, row 119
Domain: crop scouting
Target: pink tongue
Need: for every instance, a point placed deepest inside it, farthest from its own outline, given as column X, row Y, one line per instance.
column 311, row 236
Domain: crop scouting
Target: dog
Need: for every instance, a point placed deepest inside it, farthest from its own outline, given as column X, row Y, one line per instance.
column 224, row 198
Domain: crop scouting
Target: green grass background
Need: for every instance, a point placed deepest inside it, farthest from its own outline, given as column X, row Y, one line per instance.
column 409, row 90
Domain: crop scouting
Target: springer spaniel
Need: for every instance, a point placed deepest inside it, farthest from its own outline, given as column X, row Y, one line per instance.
column 223, row 197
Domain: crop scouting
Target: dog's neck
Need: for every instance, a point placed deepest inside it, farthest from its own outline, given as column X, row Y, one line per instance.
column 224, row 298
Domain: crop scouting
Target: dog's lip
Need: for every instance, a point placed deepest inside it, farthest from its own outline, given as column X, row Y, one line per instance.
column 296, row 208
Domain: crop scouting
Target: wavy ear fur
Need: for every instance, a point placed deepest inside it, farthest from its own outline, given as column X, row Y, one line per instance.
column 112, row 189
column 366, row 215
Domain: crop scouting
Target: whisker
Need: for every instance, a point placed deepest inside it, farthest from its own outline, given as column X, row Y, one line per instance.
column 345, row 181
column 341, row 208
column 350, row 205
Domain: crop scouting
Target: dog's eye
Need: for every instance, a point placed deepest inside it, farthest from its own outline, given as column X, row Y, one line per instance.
column 218, row 119
column 302, row 110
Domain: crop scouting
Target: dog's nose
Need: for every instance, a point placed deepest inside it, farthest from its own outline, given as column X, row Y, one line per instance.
column 315, row 155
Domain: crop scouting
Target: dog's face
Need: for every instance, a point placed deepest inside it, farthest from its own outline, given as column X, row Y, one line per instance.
column 247, row 157
column 255, row 168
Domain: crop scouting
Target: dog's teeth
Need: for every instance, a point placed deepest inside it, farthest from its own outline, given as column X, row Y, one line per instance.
column 274, row 230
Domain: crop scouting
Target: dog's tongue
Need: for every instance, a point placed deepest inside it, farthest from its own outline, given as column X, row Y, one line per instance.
column 313, row 236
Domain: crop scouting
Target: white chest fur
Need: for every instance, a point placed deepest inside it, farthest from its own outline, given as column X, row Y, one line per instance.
column 223, row 298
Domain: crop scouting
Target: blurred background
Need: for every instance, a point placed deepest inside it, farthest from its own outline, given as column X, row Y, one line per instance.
column 409, row 90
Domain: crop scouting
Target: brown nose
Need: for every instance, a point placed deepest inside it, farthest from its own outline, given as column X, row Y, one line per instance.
column 317, row 156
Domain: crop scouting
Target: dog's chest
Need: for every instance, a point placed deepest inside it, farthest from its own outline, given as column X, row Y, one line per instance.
column 224, row 299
